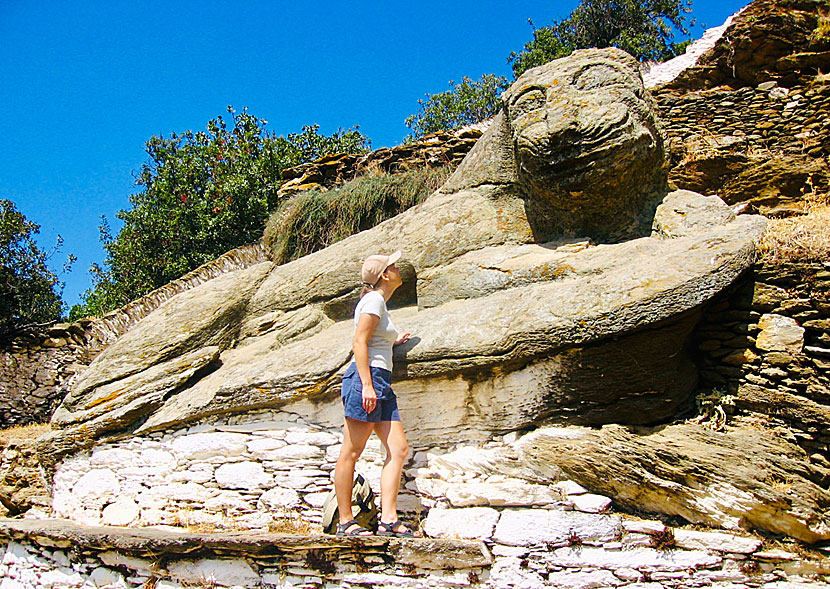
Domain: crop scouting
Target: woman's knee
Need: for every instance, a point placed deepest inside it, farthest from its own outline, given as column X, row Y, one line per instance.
column 399, row 450
column 351, row 452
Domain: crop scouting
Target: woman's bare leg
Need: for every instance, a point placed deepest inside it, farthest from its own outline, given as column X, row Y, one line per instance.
column 355, row 434
column 392, row 436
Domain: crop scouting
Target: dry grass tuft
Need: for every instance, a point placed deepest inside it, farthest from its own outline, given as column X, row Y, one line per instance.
column 663, row 540
column 290, row 525
column 312, row 220
column 17, row 433
column 798, row 239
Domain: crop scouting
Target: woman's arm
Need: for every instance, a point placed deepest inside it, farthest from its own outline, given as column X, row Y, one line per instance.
column 366, row 325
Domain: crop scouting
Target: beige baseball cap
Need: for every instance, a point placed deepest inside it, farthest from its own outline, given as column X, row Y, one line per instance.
column 376, row 265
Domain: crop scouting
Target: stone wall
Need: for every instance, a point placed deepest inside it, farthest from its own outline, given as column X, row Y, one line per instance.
column 435, row 150
column 531, row 549
column 766, row 343
column 34, row 371
column 21, row 481
column 267, row 471
column 54, row 554
column 763, row 145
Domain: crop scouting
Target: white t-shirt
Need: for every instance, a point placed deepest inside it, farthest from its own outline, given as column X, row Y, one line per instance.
column 385, row 334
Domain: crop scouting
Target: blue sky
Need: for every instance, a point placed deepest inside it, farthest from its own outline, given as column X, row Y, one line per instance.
column 84, row 84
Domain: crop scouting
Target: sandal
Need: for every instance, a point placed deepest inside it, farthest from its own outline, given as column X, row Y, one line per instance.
column 357, row 531
column 385, row 529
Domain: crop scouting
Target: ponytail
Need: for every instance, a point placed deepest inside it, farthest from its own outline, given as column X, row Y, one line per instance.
column 367, row 288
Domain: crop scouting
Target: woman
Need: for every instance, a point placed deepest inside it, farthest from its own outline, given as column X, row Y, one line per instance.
column 369, row 403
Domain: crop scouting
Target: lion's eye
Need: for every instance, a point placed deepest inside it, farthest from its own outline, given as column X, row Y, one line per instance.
column 599, row 76
column 528, row 102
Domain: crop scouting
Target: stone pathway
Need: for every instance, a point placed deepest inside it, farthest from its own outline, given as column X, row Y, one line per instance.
column 528, row 548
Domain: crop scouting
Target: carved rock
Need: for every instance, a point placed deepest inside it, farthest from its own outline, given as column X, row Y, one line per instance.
column 516, row 321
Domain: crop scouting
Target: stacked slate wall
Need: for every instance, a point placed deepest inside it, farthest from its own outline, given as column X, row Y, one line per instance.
column 767, row 116
column 766, row 342
column 766, row 146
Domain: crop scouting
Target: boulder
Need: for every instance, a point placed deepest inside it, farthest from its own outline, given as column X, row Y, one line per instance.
column 696, row 473
column 520, row 360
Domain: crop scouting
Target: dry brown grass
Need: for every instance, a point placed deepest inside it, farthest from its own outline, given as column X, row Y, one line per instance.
column 311, row 220
column 290, row 525
column 798, row 239
column 193, row 520
column 17, row 433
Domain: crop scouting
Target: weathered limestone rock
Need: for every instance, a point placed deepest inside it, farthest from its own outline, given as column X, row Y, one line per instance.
column 125, row 403
column 122, row 512
column 21, row 482
column 223, row 572
column 580, row 127
column 469, row 461
column 779, row 333
column 516, row 327
column 684, row 212
column 496, row 197
column 468, row 522
column 758, row 44
column 208, row 445
column 590, row 503
column 277, row 499
column 526, row 527
column 695, row 540
column 242, row 475
column 500, row 493
column 785, row 404
column 639, row 558
column 208, row 315
column 147, row 543
column 699, row 474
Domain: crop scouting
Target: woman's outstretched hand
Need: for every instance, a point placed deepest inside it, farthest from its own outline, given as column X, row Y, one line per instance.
column 404, row 337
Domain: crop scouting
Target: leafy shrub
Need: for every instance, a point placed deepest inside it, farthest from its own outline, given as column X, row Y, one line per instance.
column 643, row 28
column 202, row 194
column 311, row 220
column 30, row 293
column 464, row 103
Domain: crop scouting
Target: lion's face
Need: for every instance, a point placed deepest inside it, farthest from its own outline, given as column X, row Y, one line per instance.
column 582, row 133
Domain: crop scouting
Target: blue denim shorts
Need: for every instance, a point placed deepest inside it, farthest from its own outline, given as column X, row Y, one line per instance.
column 352, row 394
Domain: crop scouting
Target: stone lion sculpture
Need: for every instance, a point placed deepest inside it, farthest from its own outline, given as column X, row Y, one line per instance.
column 538, row 290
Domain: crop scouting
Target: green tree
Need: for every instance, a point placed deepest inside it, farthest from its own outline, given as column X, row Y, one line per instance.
column 203, row 193
column 643, row 28
column 30, row 293
column 464, row 103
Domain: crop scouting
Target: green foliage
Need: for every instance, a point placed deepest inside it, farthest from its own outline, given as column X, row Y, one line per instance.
column 465, row 103
column 312, row 220
column 643, row 28
column 713, row 407
column 203, row 194
column 30, row 293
